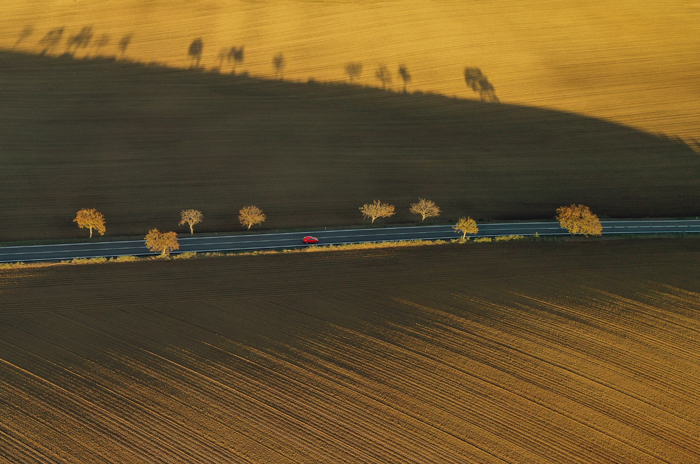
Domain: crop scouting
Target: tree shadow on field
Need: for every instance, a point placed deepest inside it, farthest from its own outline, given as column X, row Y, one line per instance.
column 195, row 52
column 101, row 43
column 51, row 40
column 479, row 83
column 26, row 32
column 353, row 70
column 278, row 63
column 80, row 40
column 124, row 43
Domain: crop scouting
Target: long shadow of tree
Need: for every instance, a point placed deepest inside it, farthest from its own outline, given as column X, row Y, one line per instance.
column 101, row 43
column 124, row 43
column 26, row 32
column 80, row 40
column 405, row 76
column 278, row 63
column 383, row 75
column 479, row 83
column 235, row 55
column 353, row 70
column 51, row 40
column 195, row 52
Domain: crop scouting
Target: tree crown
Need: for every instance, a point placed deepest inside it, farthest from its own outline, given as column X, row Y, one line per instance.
column 579, row 219
column 191, row 216
column 376, row 210
column 466, row 226
column 425, row 208
column 90, row 218
column 165, row 242
column 250, row 216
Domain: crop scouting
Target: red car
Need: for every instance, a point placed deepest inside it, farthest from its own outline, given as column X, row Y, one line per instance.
column 309, row 240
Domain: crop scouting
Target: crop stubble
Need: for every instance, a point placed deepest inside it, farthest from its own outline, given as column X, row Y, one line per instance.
column 558, row 352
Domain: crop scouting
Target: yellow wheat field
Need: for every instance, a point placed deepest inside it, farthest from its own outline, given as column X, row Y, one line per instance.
column 624, row 60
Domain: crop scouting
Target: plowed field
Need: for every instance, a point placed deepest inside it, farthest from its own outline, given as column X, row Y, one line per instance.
column 140, row 144
column 523, row 352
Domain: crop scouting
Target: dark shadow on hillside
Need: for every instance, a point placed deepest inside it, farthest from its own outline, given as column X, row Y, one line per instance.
column 309, row 154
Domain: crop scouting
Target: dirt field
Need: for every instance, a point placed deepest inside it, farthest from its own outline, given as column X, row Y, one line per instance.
column 141, row 144
column 522, row 352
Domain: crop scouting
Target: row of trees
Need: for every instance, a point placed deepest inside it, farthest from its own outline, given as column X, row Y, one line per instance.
column 90, row 218
column 577, row 219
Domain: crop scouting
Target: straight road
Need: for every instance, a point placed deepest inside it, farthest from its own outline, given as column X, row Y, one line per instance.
column 278, row 241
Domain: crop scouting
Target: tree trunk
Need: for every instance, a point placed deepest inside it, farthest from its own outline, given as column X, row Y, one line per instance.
column 464, row 235
column 191, row 230
column 90, row 232
column 373, row 218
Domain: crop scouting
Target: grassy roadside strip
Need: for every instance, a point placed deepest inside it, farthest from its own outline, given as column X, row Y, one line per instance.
column 330, row 248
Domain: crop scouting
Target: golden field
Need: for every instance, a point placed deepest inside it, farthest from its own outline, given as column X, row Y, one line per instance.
column 624, row 60
column 576, row 352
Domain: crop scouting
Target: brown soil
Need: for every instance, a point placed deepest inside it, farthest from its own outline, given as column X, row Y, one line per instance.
column 142, row 143
column 579, row 352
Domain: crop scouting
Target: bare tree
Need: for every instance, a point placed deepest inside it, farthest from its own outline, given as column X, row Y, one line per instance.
column 479, row 83
column 51, row 40
column 383, row 75
column 405, row 76
column 165, row 242
column 425, row 208
column 466, row 226
column 26, row 32
column 377, row 209
column 235, row 55
column 579, row 219
column 191, row 217
column 195, row 51
column 250, row 216
column 353, row 70
column 124, row 43
column 91, row 219
column 80, row 40
column 278, row 63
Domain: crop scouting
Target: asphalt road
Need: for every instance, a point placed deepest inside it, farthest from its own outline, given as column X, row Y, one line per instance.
column 278, row 241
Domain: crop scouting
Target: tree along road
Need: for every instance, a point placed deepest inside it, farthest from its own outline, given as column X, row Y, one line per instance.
column 278, row 241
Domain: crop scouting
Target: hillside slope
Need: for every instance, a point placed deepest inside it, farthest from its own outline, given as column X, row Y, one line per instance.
column 141, row 143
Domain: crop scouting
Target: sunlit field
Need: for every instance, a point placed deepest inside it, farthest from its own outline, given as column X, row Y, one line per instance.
column 624, row 60
column 583, row 352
